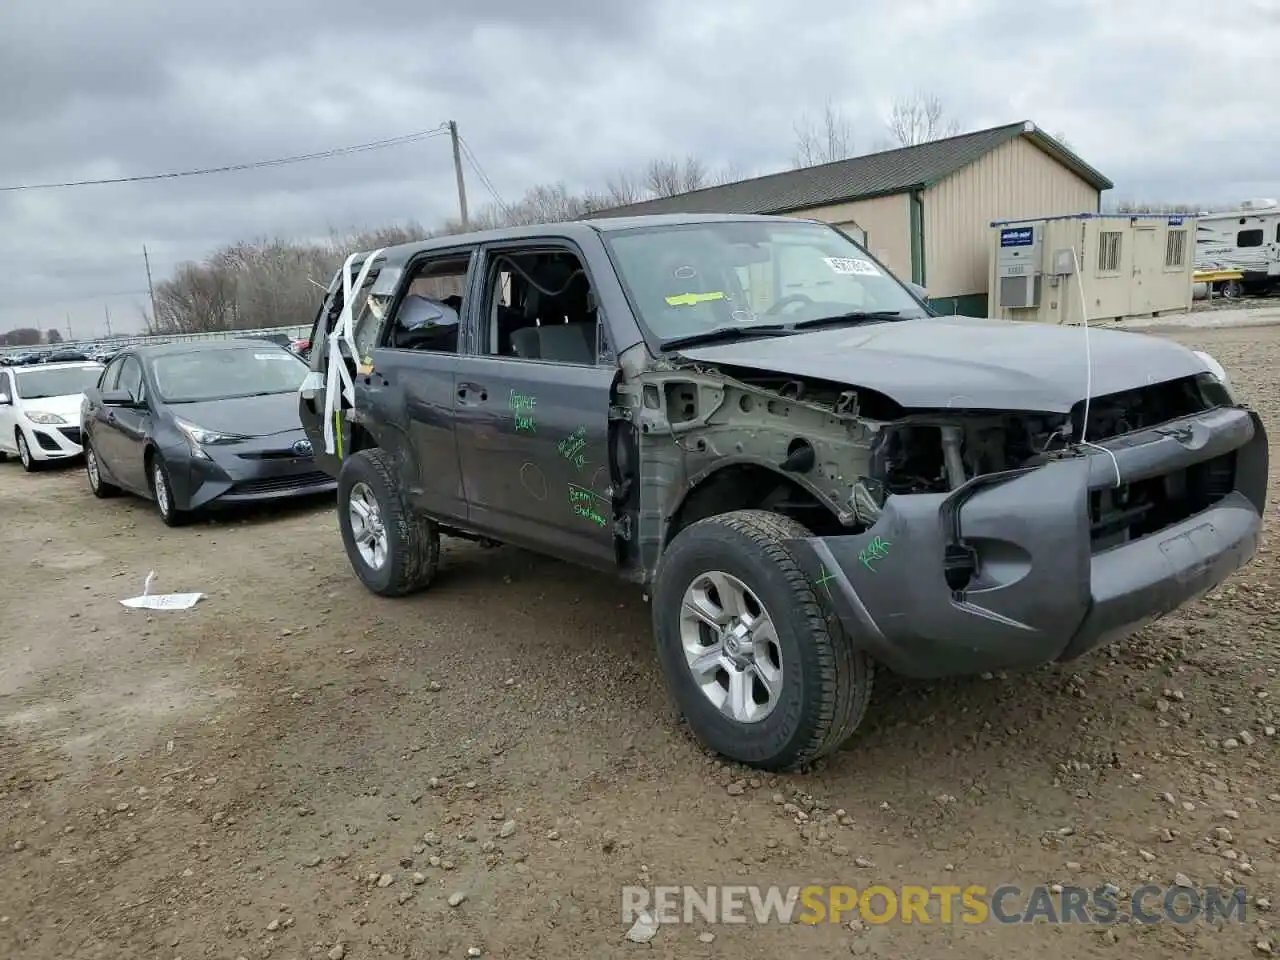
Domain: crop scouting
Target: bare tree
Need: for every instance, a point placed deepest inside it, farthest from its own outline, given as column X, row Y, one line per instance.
column 623, row 188
column 824, row 140
column 920, row 118
column 272, row 281
column 199, row 297
column 731, row 172
column 52, row 335
column 671, row 177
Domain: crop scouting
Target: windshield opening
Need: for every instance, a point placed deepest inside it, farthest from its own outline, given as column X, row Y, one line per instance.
column 227, row 374
column 64, row 382
column 691, row 278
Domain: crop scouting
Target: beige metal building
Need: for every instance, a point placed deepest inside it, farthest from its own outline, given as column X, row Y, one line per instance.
column 1125, row 265
column 925, row 211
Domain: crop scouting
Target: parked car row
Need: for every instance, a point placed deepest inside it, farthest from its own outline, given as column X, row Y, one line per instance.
column 55, row 355
column 187, row 425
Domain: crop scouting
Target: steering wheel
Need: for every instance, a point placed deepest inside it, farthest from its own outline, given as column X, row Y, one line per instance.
column 786, row 301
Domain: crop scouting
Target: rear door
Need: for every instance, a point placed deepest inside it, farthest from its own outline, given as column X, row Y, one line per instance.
column 97, row 419
column 411, row 337
column 125, row 430
column 312, row 396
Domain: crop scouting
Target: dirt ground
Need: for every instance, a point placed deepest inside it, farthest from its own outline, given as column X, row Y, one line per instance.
column 296, row 768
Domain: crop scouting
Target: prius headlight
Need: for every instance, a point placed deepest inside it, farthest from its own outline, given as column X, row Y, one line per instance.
column 198, row 437
column 1218, row 372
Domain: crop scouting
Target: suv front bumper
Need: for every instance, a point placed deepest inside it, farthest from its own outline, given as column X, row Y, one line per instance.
column 1042, row 591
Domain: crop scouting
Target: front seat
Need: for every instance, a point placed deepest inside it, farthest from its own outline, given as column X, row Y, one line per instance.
column 423, row 323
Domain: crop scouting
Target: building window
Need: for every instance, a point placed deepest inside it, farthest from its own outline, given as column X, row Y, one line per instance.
column 1249, row 238
column 1175, row 249
column 1109, row 251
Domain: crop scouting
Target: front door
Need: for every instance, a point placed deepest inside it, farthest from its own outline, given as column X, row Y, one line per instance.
column 532, row 407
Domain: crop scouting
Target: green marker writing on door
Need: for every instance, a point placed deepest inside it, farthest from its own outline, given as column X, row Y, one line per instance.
column 523, row 405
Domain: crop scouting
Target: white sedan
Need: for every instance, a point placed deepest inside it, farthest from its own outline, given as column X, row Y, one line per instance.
column 40, row 410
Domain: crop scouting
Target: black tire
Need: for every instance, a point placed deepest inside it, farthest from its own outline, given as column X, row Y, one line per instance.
column 93, row 471
column 29, row 463
column 412, row 541
column 162, row 490
column 826, row 682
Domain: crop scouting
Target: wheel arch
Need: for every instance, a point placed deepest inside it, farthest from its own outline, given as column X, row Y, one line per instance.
column 750, row 483
column 149, row 453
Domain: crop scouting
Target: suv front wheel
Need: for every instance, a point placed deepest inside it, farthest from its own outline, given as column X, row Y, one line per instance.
column 760, row 674
column 393, row 549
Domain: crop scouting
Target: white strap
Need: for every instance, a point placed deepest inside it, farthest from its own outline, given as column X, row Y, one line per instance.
column 343, row 333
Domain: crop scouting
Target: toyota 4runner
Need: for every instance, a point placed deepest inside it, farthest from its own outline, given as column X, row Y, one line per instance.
column 805, row 471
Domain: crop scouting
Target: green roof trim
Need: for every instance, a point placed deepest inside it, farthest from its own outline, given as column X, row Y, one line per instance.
column 861, row 178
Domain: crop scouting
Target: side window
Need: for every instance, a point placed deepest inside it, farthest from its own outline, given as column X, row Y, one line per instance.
column 111, row 375
column 1249, row 238
column 429, row 314
column 369, row 307
column 540, row 305
column 131, row 378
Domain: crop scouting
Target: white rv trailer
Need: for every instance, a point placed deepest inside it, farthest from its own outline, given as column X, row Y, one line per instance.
column 1244, row 242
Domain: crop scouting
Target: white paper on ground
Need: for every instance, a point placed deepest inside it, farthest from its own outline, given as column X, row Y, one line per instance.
column 161, row 601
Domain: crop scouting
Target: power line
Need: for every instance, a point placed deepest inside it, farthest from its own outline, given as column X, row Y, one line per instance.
column 236, row 167
column 484, row 177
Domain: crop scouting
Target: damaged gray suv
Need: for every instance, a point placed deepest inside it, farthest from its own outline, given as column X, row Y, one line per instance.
column 805, row 471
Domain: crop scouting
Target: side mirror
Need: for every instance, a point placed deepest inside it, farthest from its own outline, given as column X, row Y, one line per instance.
column 118, row 398
column 6, row 400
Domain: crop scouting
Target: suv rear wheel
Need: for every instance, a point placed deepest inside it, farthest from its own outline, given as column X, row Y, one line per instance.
column 760, row 674
column 392, row 549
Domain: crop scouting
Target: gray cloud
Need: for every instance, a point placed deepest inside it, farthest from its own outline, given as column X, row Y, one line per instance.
column 572, row 90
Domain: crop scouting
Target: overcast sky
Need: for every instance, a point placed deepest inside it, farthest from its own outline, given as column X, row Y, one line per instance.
column 556, row 90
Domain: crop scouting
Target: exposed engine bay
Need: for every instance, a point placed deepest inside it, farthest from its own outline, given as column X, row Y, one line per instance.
column 851, row 449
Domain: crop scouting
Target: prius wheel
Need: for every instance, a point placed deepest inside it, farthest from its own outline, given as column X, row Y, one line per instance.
column 393, row 549
column 759, row 673
column 163, row 491
column 100, row 487
column 29, row 463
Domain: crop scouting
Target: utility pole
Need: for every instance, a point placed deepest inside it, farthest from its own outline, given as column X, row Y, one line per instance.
column 150, row 287
column 107, row 310
column 457, row 170
column 70, row 335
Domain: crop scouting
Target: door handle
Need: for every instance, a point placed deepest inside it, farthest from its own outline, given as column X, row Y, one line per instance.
column 467, row 392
